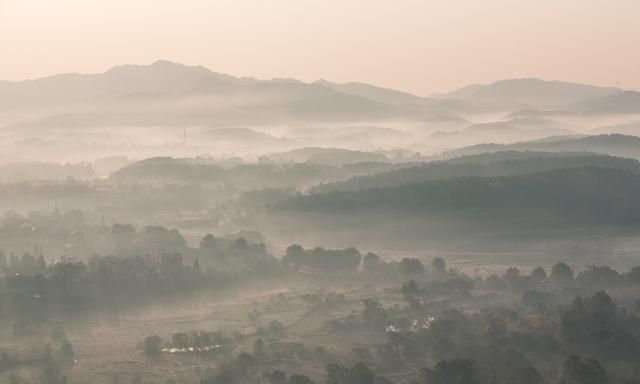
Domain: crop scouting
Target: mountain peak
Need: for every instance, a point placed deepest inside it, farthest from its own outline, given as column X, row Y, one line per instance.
column 530, row 91
column 162, row 62
column 160, row 66
column 373, row 92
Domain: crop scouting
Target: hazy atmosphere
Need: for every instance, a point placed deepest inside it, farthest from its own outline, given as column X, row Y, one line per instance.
column 419, row 46
column 305, row 192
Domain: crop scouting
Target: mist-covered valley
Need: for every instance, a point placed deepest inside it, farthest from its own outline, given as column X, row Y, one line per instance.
column 165, row 223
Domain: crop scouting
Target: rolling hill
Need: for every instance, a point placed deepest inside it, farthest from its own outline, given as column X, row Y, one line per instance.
column 559, row 197
column 240, row 176
column 330, row 156
column 627, row 102
column 614, row 145
column 485, row 165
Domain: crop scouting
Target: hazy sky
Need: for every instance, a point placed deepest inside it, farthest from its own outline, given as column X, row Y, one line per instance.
column 421, row 46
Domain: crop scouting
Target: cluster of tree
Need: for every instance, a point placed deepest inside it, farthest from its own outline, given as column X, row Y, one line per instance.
column 592, row 339
column 374, row 316
column 454, row 287
column 322, row 260
column 27, row 264
column 31, row 287
column 520, row 345
column 336, row 373
column 537, row 288
column 576, row 370
column 359, row 373
column 274, row 329
column 562, row 278
column 280, row 377
column 107, row 284
column 70, row 234
column 42, row 360
column 217, row 252
column 350, row 261
column 244, row 368
column 238, row 370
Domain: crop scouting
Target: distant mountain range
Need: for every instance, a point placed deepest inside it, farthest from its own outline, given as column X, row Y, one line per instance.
column 171, row 93
column 142, row 111
column 529, row 92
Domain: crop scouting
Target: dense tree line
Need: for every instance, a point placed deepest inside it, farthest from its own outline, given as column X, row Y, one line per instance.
column 164, row 269
column 43, row 358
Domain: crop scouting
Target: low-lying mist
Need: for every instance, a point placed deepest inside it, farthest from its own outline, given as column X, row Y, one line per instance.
column 170, row 224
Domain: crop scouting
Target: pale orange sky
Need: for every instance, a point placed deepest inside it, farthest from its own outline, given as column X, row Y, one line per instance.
column 421, row 46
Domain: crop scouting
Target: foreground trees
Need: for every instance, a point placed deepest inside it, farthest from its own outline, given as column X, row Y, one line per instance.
column 152, row 346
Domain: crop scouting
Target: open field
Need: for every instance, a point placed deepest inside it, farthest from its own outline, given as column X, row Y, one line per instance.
column 111, row 353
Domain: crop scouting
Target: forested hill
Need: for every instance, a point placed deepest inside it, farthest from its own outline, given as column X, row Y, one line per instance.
column 504, row 164
column 584, row 196
column 241, row 175
column 614, row 145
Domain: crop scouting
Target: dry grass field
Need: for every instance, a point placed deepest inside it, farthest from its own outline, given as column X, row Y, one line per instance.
column 111, row 352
